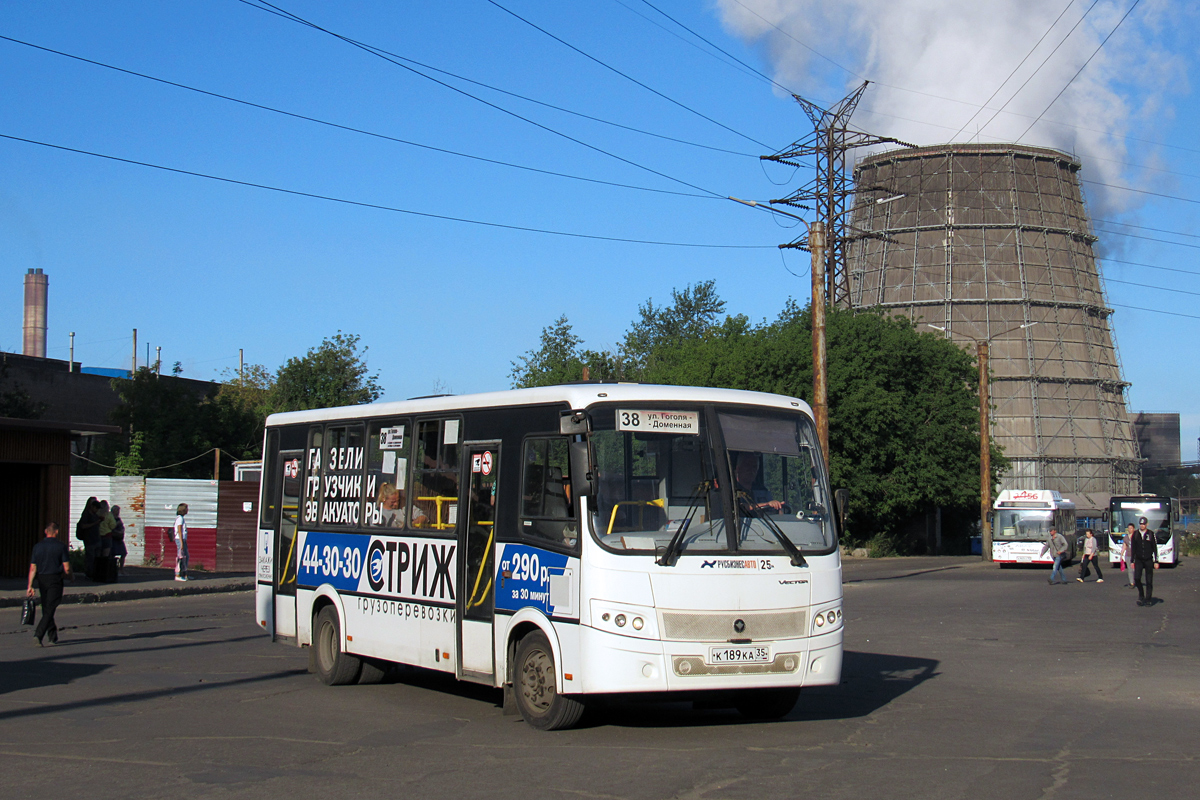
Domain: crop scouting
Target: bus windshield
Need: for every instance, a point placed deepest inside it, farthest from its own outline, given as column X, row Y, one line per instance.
column 1024, row 524
column 651, row 484
column 1128, row 512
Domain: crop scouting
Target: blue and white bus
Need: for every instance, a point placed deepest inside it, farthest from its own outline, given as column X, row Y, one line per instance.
column 557, row 543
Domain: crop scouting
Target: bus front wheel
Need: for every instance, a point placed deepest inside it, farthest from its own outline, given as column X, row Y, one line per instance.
column 765, row 704
column 536, row 689
column 333, row 666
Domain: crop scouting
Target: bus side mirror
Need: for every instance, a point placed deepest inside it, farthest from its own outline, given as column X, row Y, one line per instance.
column 581, row 476
column 991, row 517
column 1104, row 516
column 573, row 423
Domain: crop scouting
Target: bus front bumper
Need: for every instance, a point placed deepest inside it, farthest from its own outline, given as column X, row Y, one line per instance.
column 611, row 663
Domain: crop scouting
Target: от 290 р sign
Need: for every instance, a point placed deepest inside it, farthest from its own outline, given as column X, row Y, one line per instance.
column 392, row 567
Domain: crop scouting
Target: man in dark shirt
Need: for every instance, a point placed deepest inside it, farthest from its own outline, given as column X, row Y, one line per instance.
column 1143, row 545
column 50, row 563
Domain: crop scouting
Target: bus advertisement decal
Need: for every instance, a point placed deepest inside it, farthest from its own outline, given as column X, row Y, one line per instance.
column 524, row 579
column 401, row 568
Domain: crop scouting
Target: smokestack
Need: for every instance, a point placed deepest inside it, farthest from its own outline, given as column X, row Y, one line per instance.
column 36, row 287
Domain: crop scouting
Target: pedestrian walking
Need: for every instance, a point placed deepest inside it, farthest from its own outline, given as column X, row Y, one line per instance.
column 1056, row 546
column 181, row 549
column 87, row 530
column 49, row 564
column 1144, row 547
column 1090, row 560
column 119, row 550
column 1127, row 554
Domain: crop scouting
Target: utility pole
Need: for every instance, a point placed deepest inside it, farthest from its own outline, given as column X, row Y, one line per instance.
column 133, row 369
column 71, row 359
column 158, row 361
column 217, row 464
column 241, row 366
column 820, row 405
column 985, row 454
column 829, row 191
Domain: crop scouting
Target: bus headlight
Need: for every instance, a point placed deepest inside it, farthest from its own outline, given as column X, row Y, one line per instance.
column 638, row 622
column 826, row 619
column 620, row 620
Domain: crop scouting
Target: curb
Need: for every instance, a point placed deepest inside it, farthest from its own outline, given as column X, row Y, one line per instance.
column 138, row 594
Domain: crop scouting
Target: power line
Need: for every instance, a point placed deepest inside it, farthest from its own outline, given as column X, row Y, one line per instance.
column 1149, row 286
column 721, row 50
column 1149, row 238
column 849, row 71
column 378, row 206
column 1140, row 191
column 1147, row 266
column 349, row 128
column 626, row 76
column 1081, row 69
column 263, row 5
column 1155, row 311
column 1145, row 228
column 1045, row 60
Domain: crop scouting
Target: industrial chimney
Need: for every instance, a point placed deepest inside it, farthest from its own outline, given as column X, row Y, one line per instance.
column 36, row 286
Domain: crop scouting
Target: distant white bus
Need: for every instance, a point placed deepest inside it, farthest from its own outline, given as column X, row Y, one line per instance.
column 1162, row 517
column 558, row 543
column 1021, row 522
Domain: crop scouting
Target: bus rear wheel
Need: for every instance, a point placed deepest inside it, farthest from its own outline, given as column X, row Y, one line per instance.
column 763, row 704
column 536, row 689
column 333, row 666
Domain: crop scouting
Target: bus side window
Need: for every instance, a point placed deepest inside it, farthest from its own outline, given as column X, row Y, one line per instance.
column 547, row 512
column 342, row 479
column 312, row 476
column 388, row 445
column 434, row 501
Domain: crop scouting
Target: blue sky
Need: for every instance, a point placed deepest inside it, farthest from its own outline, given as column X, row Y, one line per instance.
column 203, row 268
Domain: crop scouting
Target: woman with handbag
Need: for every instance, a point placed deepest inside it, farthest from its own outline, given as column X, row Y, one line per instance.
column 50, row 564
column 179, row 533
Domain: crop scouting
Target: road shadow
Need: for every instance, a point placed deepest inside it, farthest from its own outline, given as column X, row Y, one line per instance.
column 36, row 673
column 71, row 641
column 869, row 682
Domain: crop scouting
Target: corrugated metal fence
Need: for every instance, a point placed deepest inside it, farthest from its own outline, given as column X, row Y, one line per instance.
column 222, row 518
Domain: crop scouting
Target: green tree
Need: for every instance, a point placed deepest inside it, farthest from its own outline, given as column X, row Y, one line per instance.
column 171, row 421
column 904, row 413
column 332, row 374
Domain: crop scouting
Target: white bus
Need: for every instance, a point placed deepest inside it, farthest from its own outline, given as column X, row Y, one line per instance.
column 1162, row 517
column 1021, row 523
column 557, row 543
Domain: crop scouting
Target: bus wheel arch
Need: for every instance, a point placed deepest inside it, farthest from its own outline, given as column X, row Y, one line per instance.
column 328, row 657
column 537, row 678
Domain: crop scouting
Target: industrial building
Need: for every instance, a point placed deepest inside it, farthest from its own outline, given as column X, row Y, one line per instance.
column 992, row 243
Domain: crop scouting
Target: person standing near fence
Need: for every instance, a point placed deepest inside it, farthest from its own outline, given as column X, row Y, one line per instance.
column 180, row 536
column 87, row 530
column 49, row 564
column 119, row 550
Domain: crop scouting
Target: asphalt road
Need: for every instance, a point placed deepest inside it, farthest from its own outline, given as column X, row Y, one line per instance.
column 960, row 681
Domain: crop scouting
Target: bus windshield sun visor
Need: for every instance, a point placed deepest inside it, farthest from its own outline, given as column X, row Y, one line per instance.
column 760, row 434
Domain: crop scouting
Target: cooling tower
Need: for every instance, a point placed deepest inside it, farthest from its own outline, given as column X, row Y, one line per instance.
column 37, row 285
column 994, row 242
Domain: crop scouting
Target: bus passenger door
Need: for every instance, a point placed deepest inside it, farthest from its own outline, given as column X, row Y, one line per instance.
column 286, row 557
column 477, row 545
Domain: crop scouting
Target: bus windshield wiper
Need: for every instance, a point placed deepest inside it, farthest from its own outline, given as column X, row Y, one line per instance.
column 750, row 511
column 670, row 554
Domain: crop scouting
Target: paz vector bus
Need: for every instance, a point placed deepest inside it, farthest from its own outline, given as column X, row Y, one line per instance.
column 558, row 543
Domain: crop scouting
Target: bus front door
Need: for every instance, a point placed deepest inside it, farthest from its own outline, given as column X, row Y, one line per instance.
column 477, row 540
column 286, row 557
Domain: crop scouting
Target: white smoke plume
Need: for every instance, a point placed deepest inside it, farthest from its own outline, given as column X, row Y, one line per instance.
column 934, row 64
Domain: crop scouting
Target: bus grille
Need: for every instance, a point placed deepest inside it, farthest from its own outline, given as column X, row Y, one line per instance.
column 718, row 626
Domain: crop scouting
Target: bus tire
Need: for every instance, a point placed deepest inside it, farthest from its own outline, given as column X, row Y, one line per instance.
column 333, row 666
column 764, row 704
column 372, row 671
column 535, row 687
